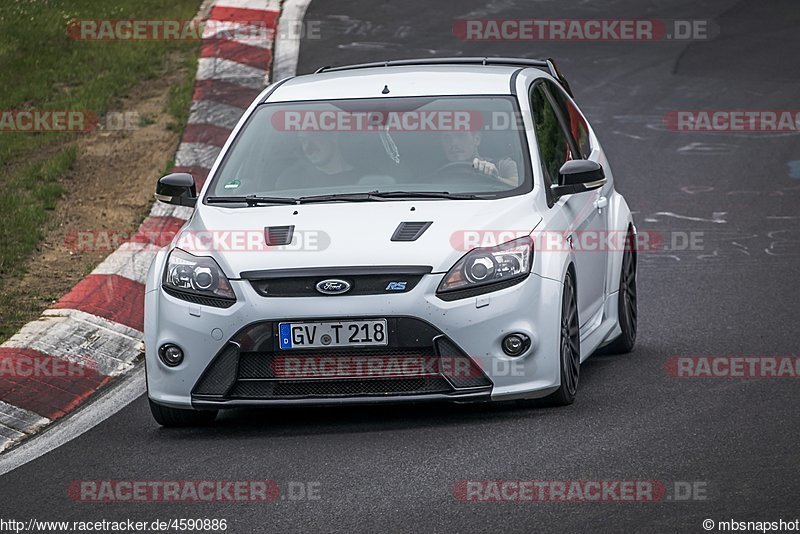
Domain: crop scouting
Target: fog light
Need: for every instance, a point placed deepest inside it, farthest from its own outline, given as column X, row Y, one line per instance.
column 516, row 344
column 171, row 355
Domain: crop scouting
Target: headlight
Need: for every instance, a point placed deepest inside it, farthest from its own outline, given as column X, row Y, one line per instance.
column 486, row 267
column 200, row 276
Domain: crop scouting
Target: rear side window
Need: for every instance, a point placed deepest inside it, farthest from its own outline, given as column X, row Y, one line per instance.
column 578, row 128
column 554, row 149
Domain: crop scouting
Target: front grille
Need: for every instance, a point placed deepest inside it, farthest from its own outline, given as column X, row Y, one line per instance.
column 338, row 388
column 418, row 361
column 221, row 375
column 360, row 285
column 364, row 280
column 462, row 372
column 261, row 365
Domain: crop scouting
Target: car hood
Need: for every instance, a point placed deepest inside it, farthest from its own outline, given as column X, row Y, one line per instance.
column 340, row 234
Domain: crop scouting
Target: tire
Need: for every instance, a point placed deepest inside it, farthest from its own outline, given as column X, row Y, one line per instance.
column 570, row 347
column 626, row 304
column 171, row 417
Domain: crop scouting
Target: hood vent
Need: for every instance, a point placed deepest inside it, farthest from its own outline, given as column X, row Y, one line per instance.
column 410, row 231
column 278, row 235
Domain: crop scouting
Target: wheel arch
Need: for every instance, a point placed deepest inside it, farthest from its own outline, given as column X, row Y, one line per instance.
column 620, row 221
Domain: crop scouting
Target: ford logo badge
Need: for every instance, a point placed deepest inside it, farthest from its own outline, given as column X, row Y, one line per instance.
column 333, row 287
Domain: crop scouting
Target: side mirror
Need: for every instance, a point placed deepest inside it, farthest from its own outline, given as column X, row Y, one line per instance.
column 177, row 189
column 577, row 176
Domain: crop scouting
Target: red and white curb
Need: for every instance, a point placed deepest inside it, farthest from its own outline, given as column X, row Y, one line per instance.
column 94, row 333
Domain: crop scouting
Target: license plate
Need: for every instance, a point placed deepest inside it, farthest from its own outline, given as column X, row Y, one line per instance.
column 333, row 334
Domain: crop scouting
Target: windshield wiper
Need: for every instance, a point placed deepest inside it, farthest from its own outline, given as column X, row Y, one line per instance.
column 426, row 194
column 251, row 200
column 372, row 196
column 376, row 196
column 344, row 197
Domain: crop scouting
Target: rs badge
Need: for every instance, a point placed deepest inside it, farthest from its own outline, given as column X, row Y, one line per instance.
column 396, row 286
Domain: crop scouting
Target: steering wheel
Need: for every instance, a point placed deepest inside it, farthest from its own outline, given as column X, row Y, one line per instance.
column 453, row 165
column 455, row 172
column 477, row 178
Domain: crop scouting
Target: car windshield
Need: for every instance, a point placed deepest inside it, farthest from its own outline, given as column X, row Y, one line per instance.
column 370, row 149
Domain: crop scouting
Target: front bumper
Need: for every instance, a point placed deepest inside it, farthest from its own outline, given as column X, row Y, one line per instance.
column 241, row 340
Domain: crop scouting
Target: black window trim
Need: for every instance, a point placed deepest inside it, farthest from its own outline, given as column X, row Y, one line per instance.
column 564, row 130
column 571, row 102
column 562, row 120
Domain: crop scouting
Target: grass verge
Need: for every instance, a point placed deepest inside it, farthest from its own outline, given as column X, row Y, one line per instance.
column 43, row 68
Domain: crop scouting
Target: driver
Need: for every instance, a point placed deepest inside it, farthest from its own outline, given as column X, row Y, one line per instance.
column 462, row 147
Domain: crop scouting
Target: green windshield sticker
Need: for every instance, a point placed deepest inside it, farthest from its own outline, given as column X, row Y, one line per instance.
column 233, row 184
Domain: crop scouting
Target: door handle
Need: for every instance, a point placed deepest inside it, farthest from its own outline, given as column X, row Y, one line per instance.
column 600, row 203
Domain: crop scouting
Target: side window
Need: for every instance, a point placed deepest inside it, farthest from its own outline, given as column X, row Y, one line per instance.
column 575, row 123
column 553, row 145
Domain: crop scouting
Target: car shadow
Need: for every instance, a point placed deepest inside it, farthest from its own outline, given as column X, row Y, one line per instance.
column 364, row 418
column 350, row 419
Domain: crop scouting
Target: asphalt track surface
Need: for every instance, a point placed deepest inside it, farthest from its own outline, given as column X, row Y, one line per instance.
column 394, row 468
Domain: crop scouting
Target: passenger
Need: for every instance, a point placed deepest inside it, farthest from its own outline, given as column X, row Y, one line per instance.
column 323, row 165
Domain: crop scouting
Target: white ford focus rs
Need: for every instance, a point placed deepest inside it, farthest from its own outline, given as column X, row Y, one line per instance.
column 416, row 230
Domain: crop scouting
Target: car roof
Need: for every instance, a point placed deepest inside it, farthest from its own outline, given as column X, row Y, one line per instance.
column 401, row 81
